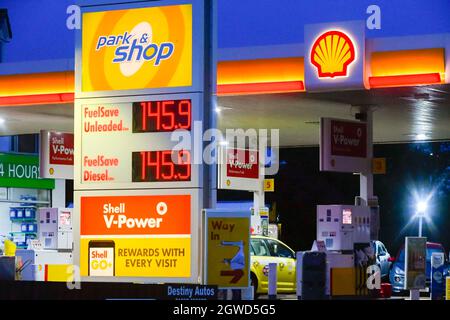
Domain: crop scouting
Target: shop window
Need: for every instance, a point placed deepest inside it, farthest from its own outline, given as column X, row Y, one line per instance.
column 5, row 144
column 28, row 143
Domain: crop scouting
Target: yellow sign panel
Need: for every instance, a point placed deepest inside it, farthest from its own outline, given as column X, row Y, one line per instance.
column 228, row 251
column 59, row 272
column 447, row 296
column 142, row 48
column 343, row 282
column 269, row 185
column 379, row 166
column 135, row 257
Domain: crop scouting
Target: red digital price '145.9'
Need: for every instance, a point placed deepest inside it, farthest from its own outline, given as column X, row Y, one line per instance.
column 161, row 166
column 162, row 116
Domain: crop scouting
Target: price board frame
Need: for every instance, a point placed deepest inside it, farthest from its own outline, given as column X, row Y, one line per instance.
column 147, row 141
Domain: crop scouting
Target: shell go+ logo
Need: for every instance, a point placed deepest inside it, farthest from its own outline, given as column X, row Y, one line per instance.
column 332, row 53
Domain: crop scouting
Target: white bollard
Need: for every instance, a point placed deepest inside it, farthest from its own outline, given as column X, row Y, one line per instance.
column 272, row 281
column 328, row 280
column 299, row 273
column 247, row 293
column 414, row 294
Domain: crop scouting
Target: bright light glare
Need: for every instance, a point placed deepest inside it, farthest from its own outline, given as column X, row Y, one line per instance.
column 2, row 121
column 422, row 207
column 421, row 136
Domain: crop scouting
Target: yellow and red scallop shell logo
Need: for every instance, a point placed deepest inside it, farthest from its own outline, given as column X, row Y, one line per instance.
column 332, row 53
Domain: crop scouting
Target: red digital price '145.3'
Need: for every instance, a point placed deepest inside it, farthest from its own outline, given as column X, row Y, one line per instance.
column 161, row 166
column 162, row 116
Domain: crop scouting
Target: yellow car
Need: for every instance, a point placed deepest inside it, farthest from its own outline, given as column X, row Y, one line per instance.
column 264, row 250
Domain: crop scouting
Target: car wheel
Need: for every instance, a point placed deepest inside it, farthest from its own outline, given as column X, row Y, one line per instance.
column 254, row 283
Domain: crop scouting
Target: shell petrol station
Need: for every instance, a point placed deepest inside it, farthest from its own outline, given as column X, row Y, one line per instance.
column 114, row 99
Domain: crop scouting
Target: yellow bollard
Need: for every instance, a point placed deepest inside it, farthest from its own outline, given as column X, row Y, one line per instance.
column 447, row 289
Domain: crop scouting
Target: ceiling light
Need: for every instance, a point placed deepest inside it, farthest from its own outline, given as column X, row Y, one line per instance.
column 421, row 136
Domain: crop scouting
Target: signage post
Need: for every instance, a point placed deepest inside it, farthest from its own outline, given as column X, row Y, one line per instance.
column 335, row 61
column 437, row 275
column 366, row 175
column 415, row 265
column 145, row 74
column 243, row 169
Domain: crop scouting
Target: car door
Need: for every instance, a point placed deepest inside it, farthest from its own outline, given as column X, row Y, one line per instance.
column 260, row 259
column 284, row 257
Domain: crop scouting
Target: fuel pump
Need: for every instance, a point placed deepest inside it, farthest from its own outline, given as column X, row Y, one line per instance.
column 345, row 230
column 341, row 226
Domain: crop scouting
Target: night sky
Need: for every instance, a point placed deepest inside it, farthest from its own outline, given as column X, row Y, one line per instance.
column 417, row 168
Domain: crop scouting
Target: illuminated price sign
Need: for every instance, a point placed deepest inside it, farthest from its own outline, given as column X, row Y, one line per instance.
column 126, row 142
column 162, row 116
column 159, row 166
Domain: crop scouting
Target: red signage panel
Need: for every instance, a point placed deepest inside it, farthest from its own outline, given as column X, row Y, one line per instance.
column 242, row 163
column 61, row 148
column 348, row 139
column 136, row 215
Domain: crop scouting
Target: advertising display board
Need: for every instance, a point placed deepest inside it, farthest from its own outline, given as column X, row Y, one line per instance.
column 239, row 169
column 437, row 275
column 56, row 154
column 415, row 262
column 22, row 171
column 343, row 145
column 129, row 235
column 144, row 70
column 335, row 56
column 140, row 46
column 126, row 142
column 227, row 248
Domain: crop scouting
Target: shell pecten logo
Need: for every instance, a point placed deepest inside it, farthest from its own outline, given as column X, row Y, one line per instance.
column 332, row 53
